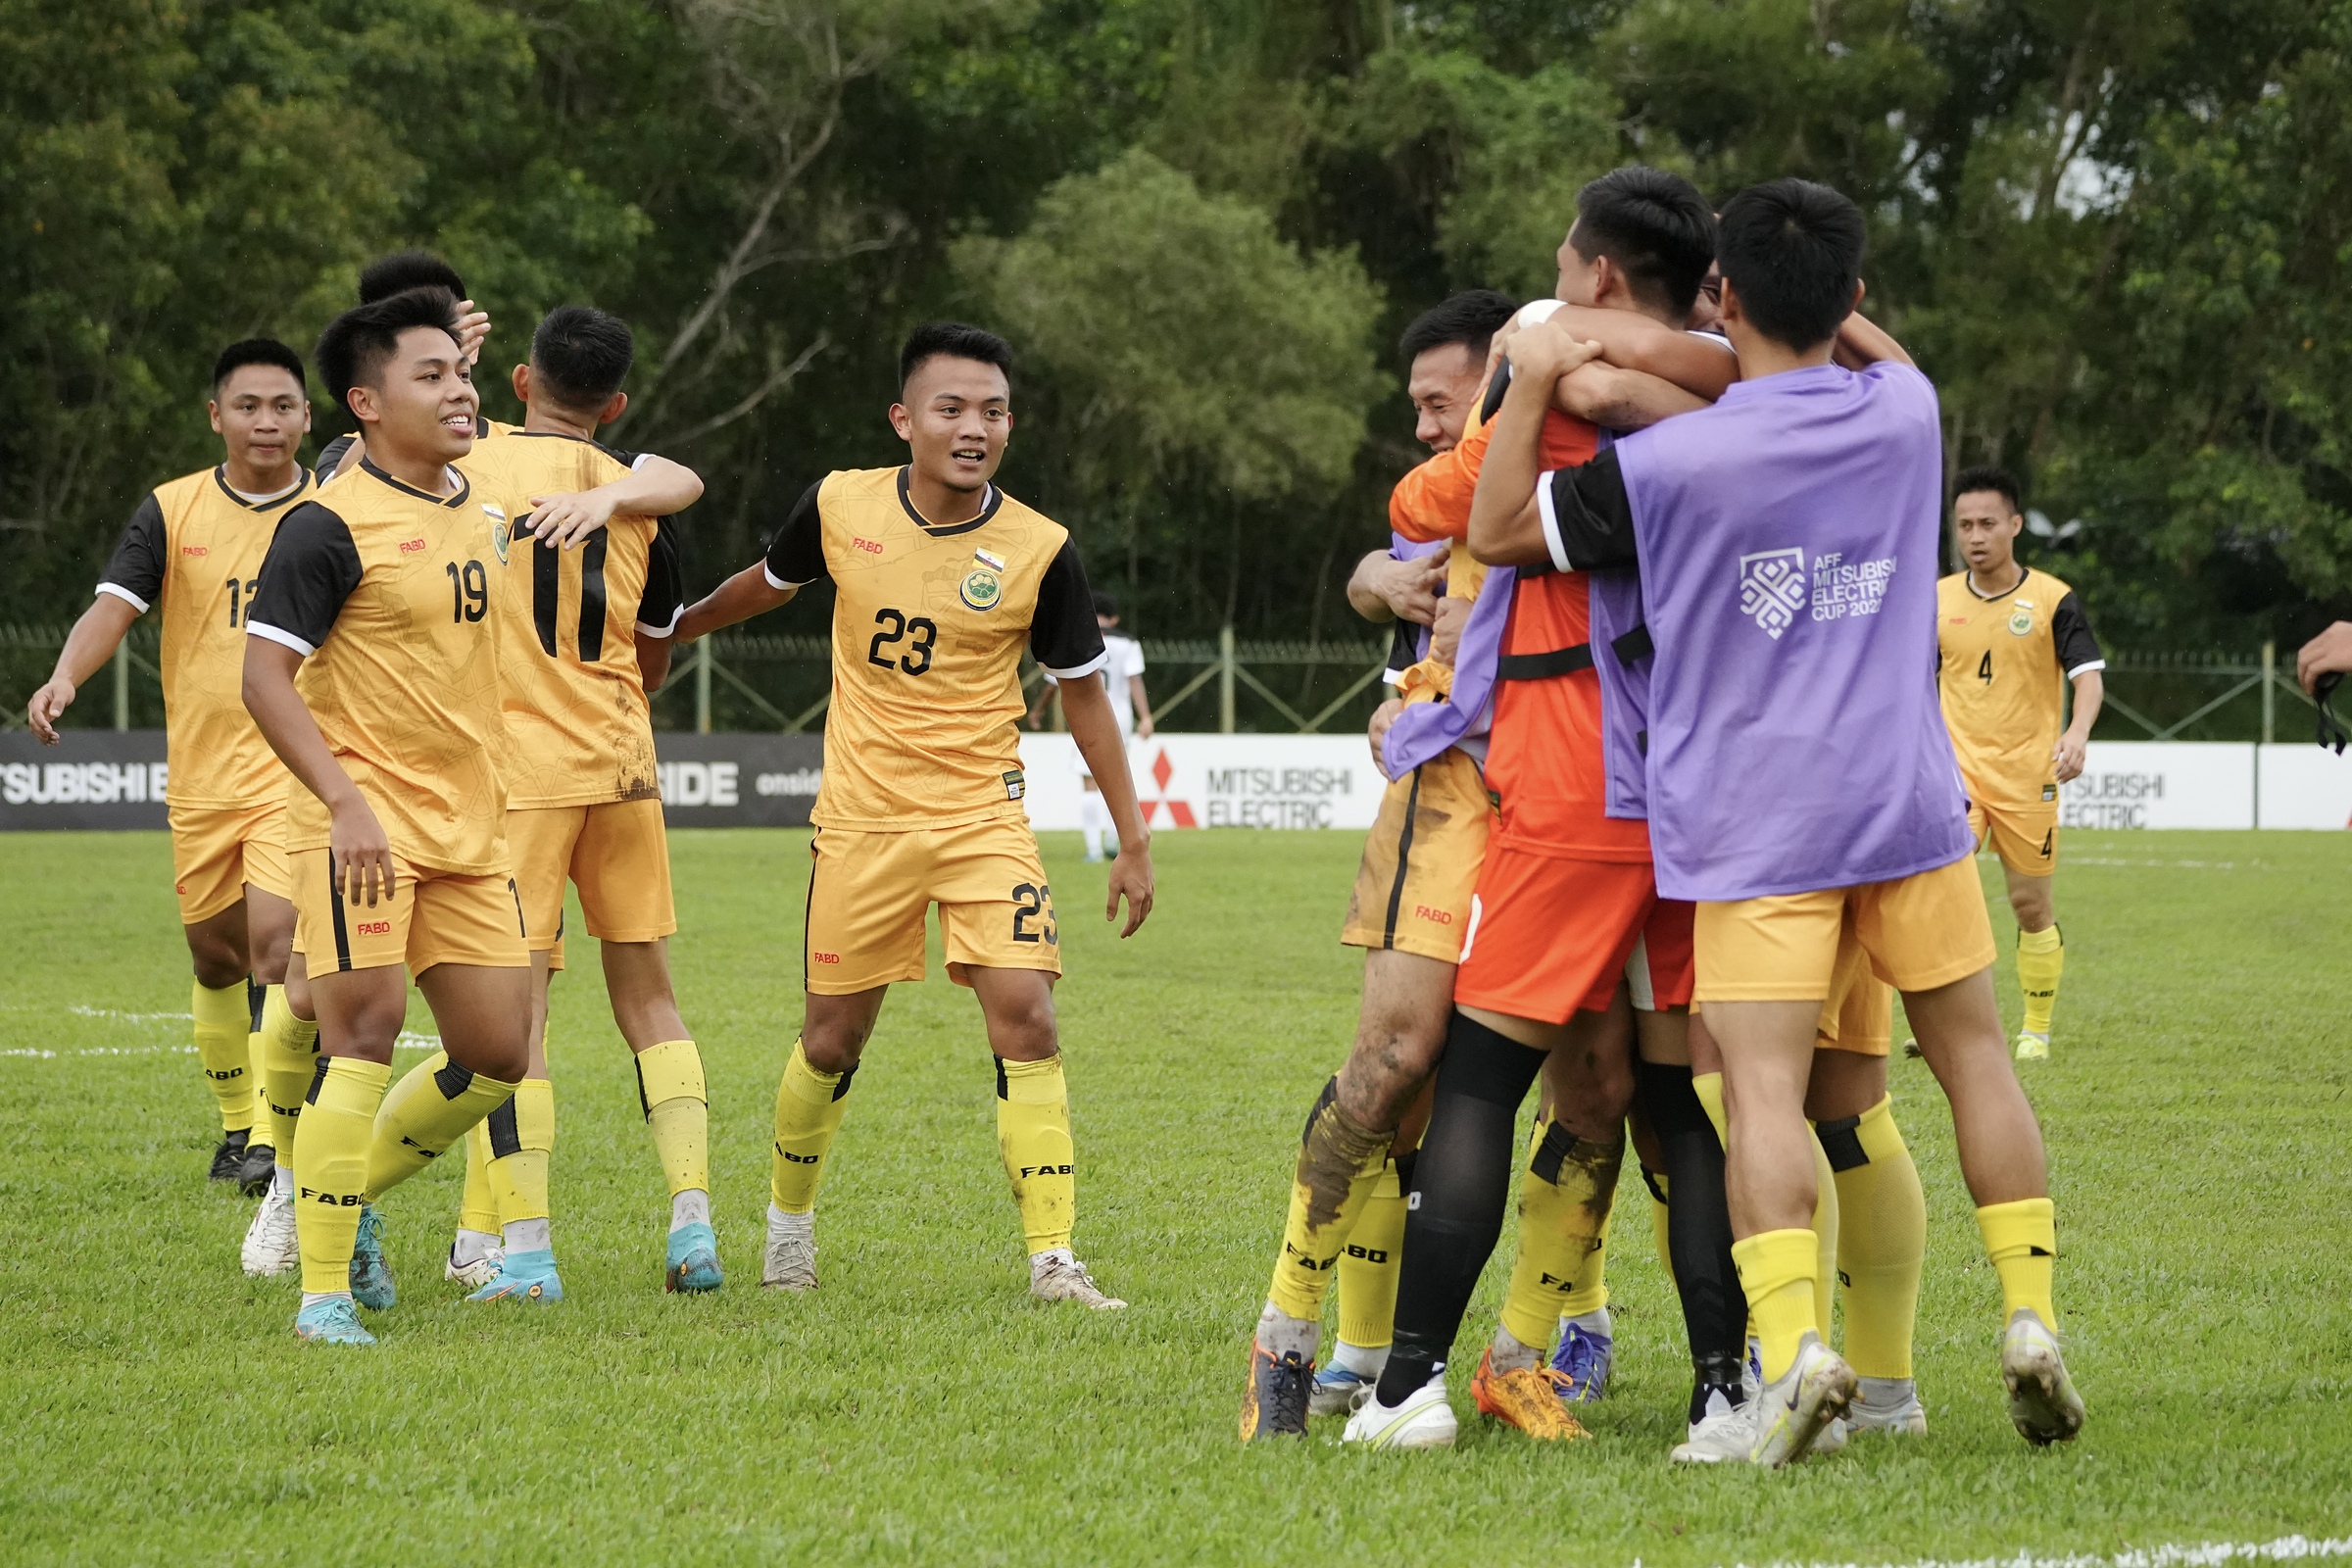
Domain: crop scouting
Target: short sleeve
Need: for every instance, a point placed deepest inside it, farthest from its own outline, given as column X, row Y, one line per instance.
column 330, row 456
column 135, row 574
column 1064, row 637
column 2069, row 629
column 665, row 598
column 796, row 554
column 1134, row 654
column 1587, row 517
column 312, row 568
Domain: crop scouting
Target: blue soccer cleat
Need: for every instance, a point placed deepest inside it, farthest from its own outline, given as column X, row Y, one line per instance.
column 1582, row 1359
column 334, row 1321
column 693, row 1262
column 524, row 1277
column 370, row 1276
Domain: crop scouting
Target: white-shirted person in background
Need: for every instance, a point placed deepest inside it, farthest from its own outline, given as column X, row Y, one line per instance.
column 1123, row 676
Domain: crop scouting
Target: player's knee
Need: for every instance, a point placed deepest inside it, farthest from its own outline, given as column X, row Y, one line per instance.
column 219, row 962
column 1024, row 1031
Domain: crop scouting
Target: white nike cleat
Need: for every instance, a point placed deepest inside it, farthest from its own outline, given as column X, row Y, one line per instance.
column 2042, row 1401
column 1794, row 1407
column 2032, row 1046
column 1887, row 1405
column 473, row 1267
column 1724, row 1433
column 272, row 1246
column 1425, row 1420
column 789, row 1261
column 1057, row 1276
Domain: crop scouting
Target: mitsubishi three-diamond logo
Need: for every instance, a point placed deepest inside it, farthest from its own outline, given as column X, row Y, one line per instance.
column 1771, row 589
column 1180, row 813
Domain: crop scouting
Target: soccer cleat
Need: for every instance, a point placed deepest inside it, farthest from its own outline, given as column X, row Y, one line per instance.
column 1887, row 1405
column 229, row 1159
column 474, row 1271
column 1339, row 1389
column 255, row 1170
column 692, row 1263
column 1831, row 1438
column 524, row 1277
column 370, row 1276
column 1533, row 1399
column 1792, row 1410
column 272, row 1246
column 1723, row 1434
column 2033, row 1047
column 1277, row 1401
column 2042, row 1403
column 332, row 1321
column 1423, row 1421
column 790, row 1262
column 1582, row 1357
column 1057, row 1276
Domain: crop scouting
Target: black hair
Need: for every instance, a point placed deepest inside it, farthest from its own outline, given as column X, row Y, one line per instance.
column 356, row 344
column 1793, row 250
column 403, row 270
column 1106, row 607
column 957, row 341
column 583, row 355
column 1655, row 226
column 258, row 350
column 1471, row 319
column 1985, row 476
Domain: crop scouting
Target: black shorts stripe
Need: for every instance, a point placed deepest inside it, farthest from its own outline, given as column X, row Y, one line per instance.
column 334, row 901
column 521, row 924
column 807, row 910
column 1404, row 860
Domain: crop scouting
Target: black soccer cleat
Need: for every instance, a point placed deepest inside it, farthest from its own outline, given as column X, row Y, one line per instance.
column 228, row 1160
column 1276, row 1404
column 253, row 1170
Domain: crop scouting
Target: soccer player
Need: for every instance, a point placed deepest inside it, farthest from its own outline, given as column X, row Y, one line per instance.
column 588, row 631
column 1123, row 679
column 194, row 546
column 940, row 578
column 2011, row 640
column 397, row 273
column 372, row 668
column 1796, row 775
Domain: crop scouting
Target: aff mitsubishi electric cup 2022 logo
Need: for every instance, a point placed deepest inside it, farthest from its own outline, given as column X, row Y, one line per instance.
column 1771, row 589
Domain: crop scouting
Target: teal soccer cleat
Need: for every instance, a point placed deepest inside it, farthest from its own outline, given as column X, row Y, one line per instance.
column 692, row 1267
column 524, row 1277
column 334, row 1321
column 370, row 1276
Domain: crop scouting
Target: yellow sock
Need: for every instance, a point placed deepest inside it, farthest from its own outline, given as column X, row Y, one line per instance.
column 1881, row 1239
column 1564, row 1197
column 809, row 1105
column 2022, row 1240
column 1369, row 1265
column 1825, row 1243
column 289, row 1061
column 2040, row 959
column 1776, row 1271
column 1339, row 1165
column 1033, row 1134
column 223, row 1023
column 1658, row 1217
column 478, row 1210
column 1708, row 1085
column 669, row 1087
column 264, row 1133
column 1591, row 1291
column 424, row 1114
column 330, row 1167
column 522, row 1140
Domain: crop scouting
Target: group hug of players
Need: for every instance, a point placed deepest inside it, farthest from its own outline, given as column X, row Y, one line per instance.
column 1691, row 757
column 407, row 700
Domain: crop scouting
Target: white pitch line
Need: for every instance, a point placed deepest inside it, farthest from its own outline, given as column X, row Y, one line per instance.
column 409, row 1040
column 2212, row 1555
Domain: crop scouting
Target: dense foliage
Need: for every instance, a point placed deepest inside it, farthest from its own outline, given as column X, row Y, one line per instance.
column 2112, row 232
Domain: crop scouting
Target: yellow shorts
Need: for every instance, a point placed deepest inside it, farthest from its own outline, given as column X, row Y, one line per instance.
column 1859, row 1015
column 1421, row 863
column 868, row 893
column 1920, row 932
column 432, row 918
column 2024, row 837
column 216, row 849
column 615, row 851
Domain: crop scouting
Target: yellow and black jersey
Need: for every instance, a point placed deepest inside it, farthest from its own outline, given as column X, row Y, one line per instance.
column 392, row 596
column 928, row 627
column 579, row 730
column 332, row 453
column 195, row 546
column 2005, row 661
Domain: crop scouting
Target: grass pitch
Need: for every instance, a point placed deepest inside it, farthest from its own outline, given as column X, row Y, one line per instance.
column 918, row 1407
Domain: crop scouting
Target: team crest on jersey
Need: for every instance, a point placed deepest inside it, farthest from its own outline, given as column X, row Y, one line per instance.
column 498, row 529
column 981, row 588
column 1771, row 589
column 2021, row 620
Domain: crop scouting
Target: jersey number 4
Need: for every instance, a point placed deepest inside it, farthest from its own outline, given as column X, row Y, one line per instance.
column 1985, row 668
column 895, row 630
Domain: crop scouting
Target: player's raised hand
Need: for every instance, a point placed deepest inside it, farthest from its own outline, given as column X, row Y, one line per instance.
column 565, row 521
column 47, row 704
column 1411, row 587
column 1383, row 719
column 1131, row 879
column 2330, row 652
column 1548, row 350
column 359, row 852
column 473, row 325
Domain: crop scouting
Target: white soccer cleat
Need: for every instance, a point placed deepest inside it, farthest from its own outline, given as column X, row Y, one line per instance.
column 1723, row 1434
column 473, row 1269
column 271, row 1245
column 1425, row 1420
column 1057, row 1276
column 789, row 1261
column 1794, row 1407
column 1887, row 1405
column 2042, row 1401
column 2033, row 1047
